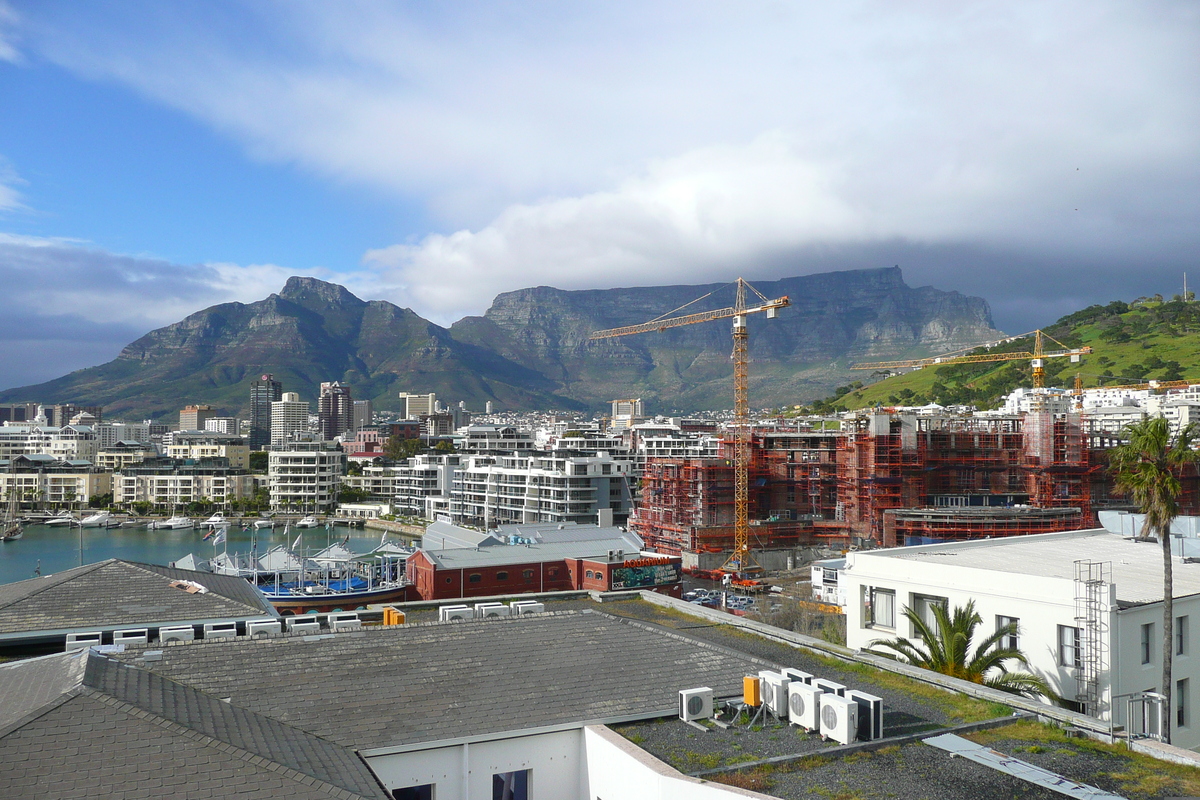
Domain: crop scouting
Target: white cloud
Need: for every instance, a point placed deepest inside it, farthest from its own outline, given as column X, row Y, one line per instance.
column 10, row 197
column 8, row 22
column 637, row 143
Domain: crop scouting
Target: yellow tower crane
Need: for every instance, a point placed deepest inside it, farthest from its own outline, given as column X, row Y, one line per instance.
column 1037, row 358
column 739, row 561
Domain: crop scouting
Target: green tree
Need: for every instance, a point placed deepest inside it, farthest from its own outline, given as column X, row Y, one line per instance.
column 1147, row 469
column 946, row 647
column 258, row 461
column 398, row 448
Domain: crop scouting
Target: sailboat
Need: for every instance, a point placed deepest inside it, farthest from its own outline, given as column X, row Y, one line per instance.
column 10, row 529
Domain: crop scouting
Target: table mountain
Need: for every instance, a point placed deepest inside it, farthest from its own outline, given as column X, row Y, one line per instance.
column 529, row 350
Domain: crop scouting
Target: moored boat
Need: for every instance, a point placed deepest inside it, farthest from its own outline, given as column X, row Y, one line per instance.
column 60, row 521
column 98, row 520
column 174, row 523
column 309, row 522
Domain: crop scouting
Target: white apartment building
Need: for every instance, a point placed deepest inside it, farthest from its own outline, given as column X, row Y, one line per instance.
column 109, row 433
column 119, row 455
column 68, row 443
column 1088, row 605
column 304, row 476
column 534, row 487
column 167, row 483
column 289, row 416
column 210, row 444
column 409, row 485
column 414, row 406
column 40, row 480
column 222, row 425
column 485, row 438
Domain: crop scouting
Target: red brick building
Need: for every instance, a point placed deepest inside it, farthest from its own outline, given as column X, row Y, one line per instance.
column 524, row 569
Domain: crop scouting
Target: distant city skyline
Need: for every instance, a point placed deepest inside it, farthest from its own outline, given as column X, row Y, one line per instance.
column 156, row 159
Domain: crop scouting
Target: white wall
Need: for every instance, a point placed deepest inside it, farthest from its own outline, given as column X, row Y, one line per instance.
column 617, row 769
column 592, row 763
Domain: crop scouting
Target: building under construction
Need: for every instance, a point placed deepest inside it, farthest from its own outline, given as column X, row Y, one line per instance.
column 891, row 479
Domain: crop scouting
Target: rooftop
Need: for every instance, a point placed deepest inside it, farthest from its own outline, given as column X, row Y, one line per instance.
column 500, row 554
column 117, row 593
column 1136, row 566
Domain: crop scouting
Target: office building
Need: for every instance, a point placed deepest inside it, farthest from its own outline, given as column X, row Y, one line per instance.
column 335, row 410
column 289, row 416
column 415, row 406
column 194, row 418
column 263, row 392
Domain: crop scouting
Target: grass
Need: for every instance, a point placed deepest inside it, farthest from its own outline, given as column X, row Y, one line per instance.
column 756, row 779
column 958, row 707
column 1137, row 775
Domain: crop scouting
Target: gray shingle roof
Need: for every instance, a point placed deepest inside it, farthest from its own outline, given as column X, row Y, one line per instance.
column 117, row 593
column 398, row 686
column 469, row 558
column 76, row 724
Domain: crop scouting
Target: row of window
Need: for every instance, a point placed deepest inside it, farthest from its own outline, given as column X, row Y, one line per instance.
column 1148, row 642
column 502, row 575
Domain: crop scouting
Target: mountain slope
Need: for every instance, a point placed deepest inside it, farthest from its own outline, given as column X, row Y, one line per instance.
column 310, row 332
column 530, row 350
column 835, row 318
column 1148, row 339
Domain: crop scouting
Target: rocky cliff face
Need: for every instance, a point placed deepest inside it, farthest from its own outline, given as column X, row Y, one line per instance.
column 835, row 318
column 530, row 350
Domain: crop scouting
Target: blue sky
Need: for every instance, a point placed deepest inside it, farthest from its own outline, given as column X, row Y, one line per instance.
column 156, row 158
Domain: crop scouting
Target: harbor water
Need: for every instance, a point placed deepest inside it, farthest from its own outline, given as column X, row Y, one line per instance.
column 54, row 549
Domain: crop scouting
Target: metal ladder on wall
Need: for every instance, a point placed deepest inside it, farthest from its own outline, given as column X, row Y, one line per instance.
column 1091, row 598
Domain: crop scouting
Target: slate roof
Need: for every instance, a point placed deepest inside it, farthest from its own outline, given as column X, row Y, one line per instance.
column 468, row 558
column 106, row 729
column 115, row 593
column 385, row 687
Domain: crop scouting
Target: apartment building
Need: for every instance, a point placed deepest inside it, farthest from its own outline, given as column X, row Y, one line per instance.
column 305, row 475
column 534, row 487
column 289, row 416
column 42, row 480
column 196, row 444
column 123, row 454
column 167, row 482
column 66, row 443
column 409, row 485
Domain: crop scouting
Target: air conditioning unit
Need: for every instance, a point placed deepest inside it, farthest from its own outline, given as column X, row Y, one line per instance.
column 82, row 641
column 839, row 719
column 344, row 621
column 176, row 633
column 804, row 705
column 484, row 610
column 220, row 630
column 520, row 607
column 132, row 636
column 303, row 625
column 870, row 714
column 695, row 703
column 447, row 613
column 774, row 689
column 830, row 687
column 798, row 675
column 256, row 626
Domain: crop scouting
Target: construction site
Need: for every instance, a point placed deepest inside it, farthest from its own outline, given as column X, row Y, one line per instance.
column 887, row 479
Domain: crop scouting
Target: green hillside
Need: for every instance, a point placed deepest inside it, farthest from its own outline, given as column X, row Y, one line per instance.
column 1148, row 339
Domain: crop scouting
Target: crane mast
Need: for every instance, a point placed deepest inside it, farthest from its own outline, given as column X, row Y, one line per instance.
column 739, row 560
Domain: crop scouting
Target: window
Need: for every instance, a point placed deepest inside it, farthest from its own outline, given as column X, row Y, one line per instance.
column 475, row 577
column 1069, row 649
column 501, row 576
column 527, row 574
column 923, row 605
column 1181, row 703
column 883, row 608
column 511, row 785
column 1147, row 641
column 1010, row 641
column 552, row 572
column 1181, row 636
column 422, row 792
column 589, row 574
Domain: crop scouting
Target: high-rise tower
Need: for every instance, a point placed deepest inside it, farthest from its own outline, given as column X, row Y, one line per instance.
column 263, row 392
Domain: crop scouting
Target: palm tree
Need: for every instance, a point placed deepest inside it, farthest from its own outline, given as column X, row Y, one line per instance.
column 946, row 647
column 1147, row 469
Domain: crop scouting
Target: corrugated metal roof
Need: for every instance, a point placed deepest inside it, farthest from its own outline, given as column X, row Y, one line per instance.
column 1136, row 566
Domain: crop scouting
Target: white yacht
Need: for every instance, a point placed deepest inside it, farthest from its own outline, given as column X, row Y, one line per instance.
column 309, row 522
column 173, row 523
column 259, row 524
column 98, row 520
column 64, row 520
column 216, row 519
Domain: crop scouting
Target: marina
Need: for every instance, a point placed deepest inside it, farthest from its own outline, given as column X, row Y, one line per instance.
column 49, row 549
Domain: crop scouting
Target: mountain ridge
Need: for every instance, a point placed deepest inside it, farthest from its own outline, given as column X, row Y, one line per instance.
column 529, row 350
